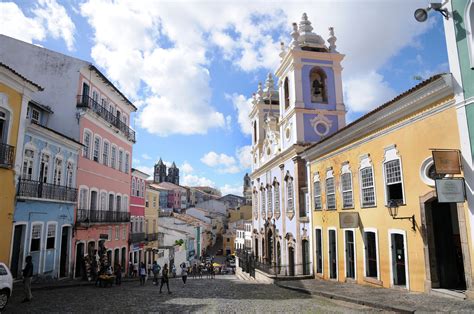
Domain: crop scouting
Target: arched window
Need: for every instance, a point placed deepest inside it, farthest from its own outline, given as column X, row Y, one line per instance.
column 286, row 93
column 58, row 169
column 318, row 78
column 28, row 159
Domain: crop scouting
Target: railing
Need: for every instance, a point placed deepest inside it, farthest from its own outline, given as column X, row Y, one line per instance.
column 6, row 156
column 84, row 216
column 38, row 189
column 84, row 101
column 152, row 236
column 137, row 237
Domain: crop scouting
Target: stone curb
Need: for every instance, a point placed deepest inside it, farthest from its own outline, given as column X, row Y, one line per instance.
column 398, row 309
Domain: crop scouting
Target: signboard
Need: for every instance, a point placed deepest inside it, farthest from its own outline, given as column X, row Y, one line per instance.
column 450, row 190
column 104, row 236
column 447, row 161
column 348, row 220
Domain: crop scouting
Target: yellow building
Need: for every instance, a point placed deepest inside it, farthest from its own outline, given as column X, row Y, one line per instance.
column 378, row 164
column 151, row 224
column 15, row 93
column 243, row 212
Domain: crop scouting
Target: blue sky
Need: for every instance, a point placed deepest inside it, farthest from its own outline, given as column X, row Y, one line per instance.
column 192, row 66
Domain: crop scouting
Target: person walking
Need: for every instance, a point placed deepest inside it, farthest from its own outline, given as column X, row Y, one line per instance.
column 165, row 278
column 173, row 271
column 184, row 272
column 27, row 275
column 142, row 272
column 156, row 272
column 118, row 275
column 194, row 271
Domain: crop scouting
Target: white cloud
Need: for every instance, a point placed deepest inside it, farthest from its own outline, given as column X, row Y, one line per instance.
column 245, row 157
column 236, row 189
column 192, row 180
column 186, row 168
column 212, row 159
column 146, row 157
column 231, row 169
column 55, row 18
column 366, row 92
column 243, row 106
column 49, row 19
column 147, row 170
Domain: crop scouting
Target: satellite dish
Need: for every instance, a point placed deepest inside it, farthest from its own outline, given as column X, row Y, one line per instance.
column 421, row 15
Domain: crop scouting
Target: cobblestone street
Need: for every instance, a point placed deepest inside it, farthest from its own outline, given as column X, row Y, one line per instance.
column 224, row 294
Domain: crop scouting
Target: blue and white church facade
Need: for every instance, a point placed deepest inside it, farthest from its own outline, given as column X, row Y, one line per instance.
column 46, row 197
column 306, row 108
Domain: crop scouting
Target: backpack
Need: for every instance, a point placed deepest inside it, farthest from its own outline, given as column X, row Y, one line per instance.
column 156, row 269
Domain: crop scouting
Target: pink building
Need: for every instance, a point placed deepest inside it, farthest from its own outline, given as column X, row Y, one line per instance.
column 103, row 175
column 137, row 216
column 174, row 196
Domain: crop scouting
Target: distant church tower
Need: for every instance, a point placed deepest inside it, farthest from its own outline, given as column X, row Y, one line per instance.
column 173, row 174
column 161, row 175
column 247, row 189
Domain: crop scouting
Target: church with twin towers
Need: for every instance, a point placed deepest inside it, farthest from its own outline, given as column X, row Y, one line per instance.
column 161, row 175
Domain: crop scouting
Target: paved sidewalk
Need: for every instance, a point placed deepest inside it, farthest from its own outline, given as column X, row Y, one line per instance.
column 382, row 298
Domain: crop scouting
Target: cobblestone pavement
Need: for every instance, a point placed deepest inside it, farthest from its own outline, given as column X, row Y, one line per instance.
column 223, row 294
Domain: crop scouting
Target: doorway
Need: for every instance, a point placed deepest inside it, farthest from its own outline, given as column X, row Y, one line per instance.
column 397, row 247
column 305, row 257
column 116, row 257
column 350, row 254
column 444, row 245
column 17, row 250
column 278, row 257
column 291, row 261
column 78, row 273
column 270, row 247
column 332, row 254
column 64, row 257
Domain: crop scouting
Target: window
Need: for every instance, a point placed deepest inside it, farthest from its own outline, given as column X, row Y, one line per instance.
column 134, row 186
column 35, row 115
column 263, row 203
column 143, row 189
column 330, row 193
column 318, row 85
column 269, row 200
column 370, row 241
column 93, row 200
column 319, row 251
column 103, row 200
column 255, row 204
column 120, row 160
column 58, row 167
column 346, row 185
column 111, row 202
column 4, row 125
column 367, row 182
column 117, row 232
column 51, row 236
column 83, row 198
column 96, row 149
column 154, row 201
column 393, row 181
column 69, row 174
column 28, row 159
column 317, row 193
column 127, row 162
column 290, row 195
column 35, row 238
column 105, row 154
column 276, row 196
column 118, row 207
column 44, row 168
column 109, row 236
column 125, row 203
column 95, row 97
column 113, row 158
column 286, row 91
column 124, row 232
column 87, row 144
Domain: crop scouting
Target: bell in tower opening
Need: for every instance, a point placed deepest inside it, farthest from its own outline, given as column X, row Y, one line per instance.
column 318, row 86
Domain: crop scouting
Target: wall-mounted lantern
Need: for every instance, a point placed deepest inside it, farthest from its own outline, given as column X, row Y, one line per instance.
column 392, row 206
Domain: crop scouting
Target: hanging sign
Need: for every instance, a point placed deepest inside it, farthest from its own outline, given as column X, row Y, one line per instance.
column 447, row 161
column 450, row 190
column 349, row 220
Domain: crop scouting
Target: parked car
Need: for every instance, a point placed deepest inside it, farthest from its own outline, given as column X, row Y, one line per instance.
column 6, row 285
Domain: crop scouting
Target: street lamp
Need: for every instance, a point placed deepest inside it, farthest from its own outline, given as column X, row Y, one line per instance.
column 421, row 15
column 392, row 206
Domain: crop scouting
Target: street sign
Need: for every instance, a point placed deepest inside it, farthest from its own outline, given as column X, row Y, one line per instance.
column 450, row 190
column 447, row 161
column 348, row 220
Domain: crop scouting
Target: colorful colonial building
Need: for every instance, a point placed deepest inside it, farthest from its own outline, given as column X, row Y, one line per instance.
column 306, row 108
column 376, row 216
column 137, row 217
column 152, row 208
column 15, row 93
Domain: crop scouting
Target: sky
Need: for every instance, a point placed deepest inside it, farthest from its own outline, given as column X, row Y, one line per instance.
column 191, row 66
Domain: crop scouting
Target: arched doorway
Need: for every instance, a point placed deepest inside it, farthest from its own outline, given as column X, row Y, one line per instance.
column 256, row 248
column 278, row 257
column 291, row 261
column 79, row 260
column 269, row 246
column 305, row 257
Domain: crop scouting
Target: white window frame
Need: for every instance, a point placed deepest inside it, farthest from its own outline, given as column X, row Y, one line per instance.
column 391, row 154
column 290, row 204
column 108, row 201
column 113, row 156
column 105, row 152
column 364, row 240
column 322, row 251
column 105, row 194
column 337, row 254
column 70, row 167
column 118, row 203
column 55, row 224
column 276, row 198
column 32, row 112
column 269, row 201
column 134, row 186
column 47, row 153
column 345, row 170
column 263, row 203
column 98, row 148
column 366, row 162
column 405, row 248
column 120, row 159
column 317, row 180
column 127, row 162
column 30, row 162
column 355, row 252
column 97, row 200
column 86, row 149
column 57, row 175
column 330, row 175
column 41, row 224
column 86, row 204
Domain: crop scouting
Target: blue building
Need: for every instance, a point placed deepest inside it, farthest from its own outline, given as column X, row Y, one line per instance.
column 46, row 197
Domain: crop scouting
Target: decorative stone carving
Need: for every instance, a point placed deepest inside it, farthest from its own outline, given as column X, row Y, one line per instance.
column 307, row 37
column 332, row 40
column 321, row 125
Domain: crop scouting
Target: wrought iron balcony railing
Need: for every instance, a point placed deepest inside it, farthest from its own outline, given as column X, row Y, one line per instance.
column 137, row 237
column 6, row 156
column 152, row 236
column 38, row 189
column 84, row 101
column 85, row 216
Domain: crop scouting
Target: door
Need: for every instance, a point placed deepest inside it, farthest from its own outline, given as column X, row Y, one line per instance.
column 85, row 94
column 17, row 250
column 398, row 259
column 319, row 252
column 80, row 267
column 116, row 257
column 64, row 257
column 291, row 261
column 256, row 249
column 278, row 261
column 350, row 254
column 332, row 255
column 305, row 253
column 270, row 247
column 124, row 254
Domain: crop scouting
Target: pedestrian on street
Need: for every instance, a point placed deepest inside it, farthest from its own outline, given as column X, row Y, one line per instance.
column 142, row 271
column 173, row 270
column 27, row 274
column 156, row 272
column 164, row 278
column 194, row 271
column 184, row 272
column 118, row 275
column 200, row 271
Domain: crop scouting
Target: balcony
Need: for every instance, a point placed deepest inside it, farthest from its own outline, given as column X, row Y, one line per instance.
column 152, row 236
column 6, row 156
column 84, row 101
column 38, row 189
column 85, row 216
column 137, row 237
